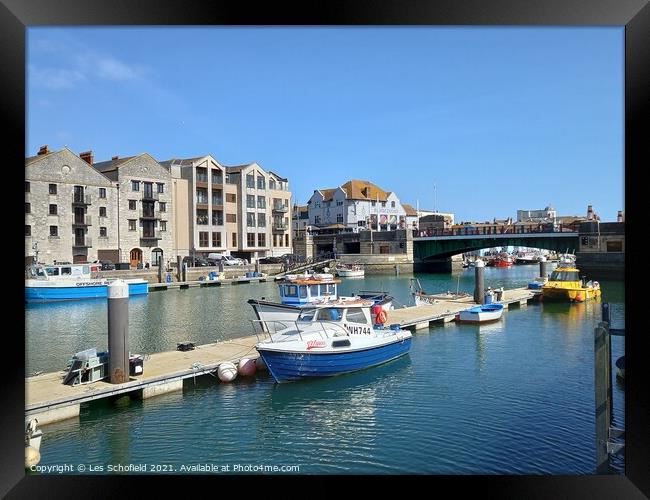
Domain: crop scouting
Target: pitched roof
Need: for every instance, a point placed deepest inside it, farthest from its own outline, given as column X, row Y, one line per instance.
column 358, row 190
column 180, row 161
column 410, row 211
column 107, row 166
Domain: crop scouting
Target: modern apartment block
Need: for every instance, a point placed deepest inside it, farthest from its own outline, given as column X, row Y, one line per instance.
column 238, row 210
column 70, row 209
column 144, row 209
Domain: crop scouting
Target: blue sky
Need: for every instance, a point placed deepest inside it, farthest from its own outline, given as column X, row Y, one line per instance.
column 497, row 119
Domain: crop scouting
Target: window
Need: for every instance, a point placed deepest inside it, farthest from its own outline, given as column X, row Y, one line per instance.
column 135, row 185
column 317, row 219
column 250, row 219
column 162, row 206
column 234, row 239
column 202, row 217
column 132, row 204
column 250, row 201
column 272, row 184
column 27, row 187
column 53, row 209
column 373, row 203
column 261, row 182
column 28, row 230
column 28, row 208
column 383, row 203
column 231, row 217
column 202, row 196
column 132, row 226
column 102, row 192
column 231, row 197
column 261, row 202
column 250, row 239
column 339, row 218
column 261, row 240
column 261, row 220
column 317, row 204
column 102, row 211
column 161, row 187
column 52, row 188
column 163, row 225
column 54, row 231
column 355, row 315
column 102, row 232
column 217, row 217
column 216, row 239
column 339, row 203
column 203, row 238
column 286, row 240
column 250, row 181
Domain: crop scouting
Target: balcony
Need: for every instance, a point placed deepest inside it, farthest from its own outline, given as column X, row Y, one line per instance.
column 280, row 226
column 280, row 208
column 85, row 242
column 81, row 199
column 151, row 235
column 216, row 202
column 150, row 195
column 82, row 221
column 217, row 179
column 149, row 214
column 217, row 222
column 202, row 201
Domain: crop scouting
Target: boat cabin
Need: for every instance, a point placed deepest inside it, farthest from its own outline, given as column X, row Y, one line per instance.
column 565, row 274
column 59, row 271
column 355, row 319
column 309, row 289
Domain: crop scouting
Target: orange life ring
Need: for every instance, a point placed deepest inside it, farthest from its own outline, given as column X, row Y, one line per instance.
column 382, row 317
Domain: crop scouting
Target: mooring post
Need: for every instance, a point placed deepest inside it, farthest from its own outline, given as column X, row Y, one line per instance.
column 179, row 264
column 184, row 272
column 479, row 286
column 602, row 404
column 160, row 271
column 542, row 267
column 118, row 332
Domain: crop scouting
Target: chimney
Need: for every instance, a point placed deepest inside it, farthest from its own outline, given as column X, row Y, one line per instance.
column 619, row 217
column 87, row 156
column 43, row 150
column 114, row 158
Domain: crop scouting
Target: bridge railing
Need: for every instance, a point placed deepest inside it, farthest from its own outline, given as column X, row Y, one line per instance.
column 489, row 230
column 293, row 264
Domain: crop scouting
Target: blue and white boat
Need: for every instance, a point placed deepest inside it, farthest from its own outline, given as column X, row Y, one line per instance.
column 302, row 290
column 71, row 282
column 481, row 314
column 328, row 340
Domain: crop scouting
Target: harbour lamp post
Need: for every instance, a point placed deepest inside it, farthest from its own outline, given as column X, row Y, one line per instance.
column 35, row 248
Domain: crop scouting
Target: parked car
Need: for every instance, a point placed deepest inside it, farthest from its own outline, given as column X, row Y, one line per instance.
column 107, row 265
column 196, row 262
column 227, row 260
column 271, row 260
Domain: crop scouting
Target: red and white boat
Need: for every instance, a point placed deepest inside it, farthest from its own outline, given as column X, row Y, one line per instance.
column 503, row 261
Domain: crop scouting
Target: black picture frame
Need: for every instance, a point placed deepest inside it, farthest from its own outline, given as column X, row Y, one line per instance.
column 16, row 15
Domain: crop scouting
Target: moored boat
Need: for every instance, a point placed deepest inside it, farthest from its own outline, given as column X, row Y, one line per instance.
column 299, row 291
column 350, row 270
column 422, row 298
column 481, row 314
column 72, row 282
column 565, row 284
column 328, row 340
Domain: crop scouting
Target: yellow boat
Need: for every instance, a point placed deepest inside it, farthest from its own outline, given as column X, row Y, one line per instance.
column 565, row 284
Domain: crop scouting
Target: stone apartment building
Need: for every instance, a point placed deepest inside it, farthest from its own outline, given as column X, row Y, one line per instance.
column 237, row 210
column 144, row 209
column 70, row 211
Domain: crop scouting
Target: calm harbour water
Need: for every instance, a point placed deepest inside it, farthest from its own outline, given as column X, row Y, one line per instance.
column 512, row 397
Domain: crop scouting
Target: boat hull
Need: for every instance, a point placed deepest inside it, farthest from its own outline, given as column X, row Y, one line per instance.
column 346, row 273
column 569, row 294
column 295, row 365
column 474, row 315
column 78, row 291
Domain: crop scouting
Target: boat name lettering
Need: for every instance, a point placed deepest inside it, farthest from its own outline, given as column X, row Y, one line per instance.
column 90, row 283
column 312, row 344
column 355, row 330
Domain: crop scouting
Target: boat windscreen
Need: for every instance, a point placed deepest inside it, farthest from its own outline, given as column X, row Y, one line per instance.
column 565, row 276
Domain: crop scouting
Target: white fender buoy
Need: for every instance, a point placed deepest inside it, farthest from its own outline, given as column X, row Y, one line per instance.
column 246, row 367
column 227, row 372
column 32, row 456
column 260, row 364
